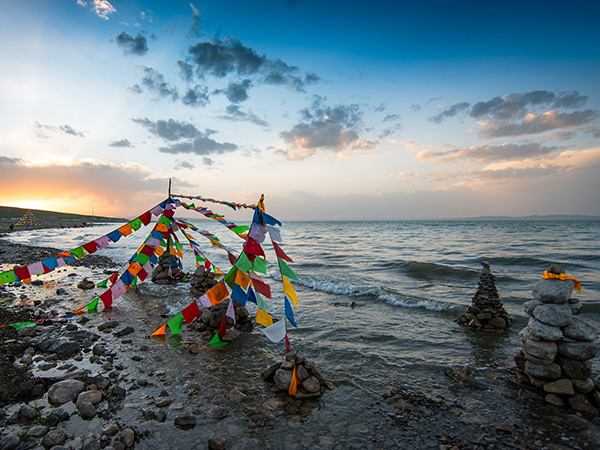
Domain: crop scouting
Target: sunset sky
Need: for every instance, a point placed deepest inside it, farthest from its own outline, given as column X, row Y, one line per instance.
column 334, row 110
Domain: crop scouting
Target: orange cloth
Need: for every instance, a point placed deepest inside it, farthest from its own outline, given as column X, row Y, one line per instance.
column 547, row 275
column 294, row 383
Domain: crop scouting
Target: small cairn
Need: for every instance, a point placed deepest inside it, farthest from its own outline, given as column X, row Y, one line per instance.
column 486, row 312
column 167, row 270
column 202, row 281
column 311, row 383
column 211, row 318
column 557, row 347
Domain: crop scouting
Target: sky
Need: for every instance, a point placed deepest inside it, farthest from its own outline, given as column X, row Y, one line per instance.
column 350, row 110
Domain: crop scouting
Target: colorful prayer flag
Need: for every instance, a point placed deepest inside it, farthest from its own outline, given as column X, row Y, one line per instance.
column 289, row 290
column 264, row 318
column 175, row 324
column 191, row 312
column 285, row 270
column 275, row 332
column 216, row 342
column 289, row 313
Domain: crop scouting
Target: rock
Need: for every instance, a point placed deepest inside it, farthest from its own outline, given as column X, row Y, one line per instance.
column 93, row 397
column 311, row 385
column 108, row 325
column 10, row 441
column 573, row 368
column 216, row 412
column 236, row 396
column 302, row 373
column 86, row 284
column 498, row 323
column 124, row 332
column 54, row 437
column 556, row 315
column 580, row 351
column 64, row 391
column 543, row 331
column 545, row 350
column 560, row 387
column 504, row 428
column 37, row 431
column 282, row 379
column 110, row 429
column 27, row 413
column 128, row 437
column 529, row 306
column 551, row 371
column 218, row 443
column 576, row 308
column 287, row 365
column 185, row 421
column 554, row 399
column 580, row 403
column 553, row 291
column 86, row 410
column 63, row 349
column 161, row 402
column 585, row 386
column 580, row 330
column 91, row 442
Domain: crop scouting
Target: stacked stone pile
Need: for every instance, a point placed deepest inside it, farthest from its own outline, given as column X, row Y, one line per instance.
column 311, row 383
column 211, row 318
column 557, row 347
column 167, row 270
column 202, row 281
column 486, row 312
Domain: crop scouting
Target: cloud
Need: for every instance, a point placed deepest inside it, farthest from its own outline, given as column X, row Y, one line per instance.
column 184, row 165
column 170, row 130
column 132, row 45
column 485, row 154
column 196, row 27
column 450, row 112
column 196, row 96
column 120, row 190
column 102, row 8
column 237, row 92
column 155, row 82
column 41, row 129
column 201, row 145
column 539, row 123
column 234, row 113
column 123, row 143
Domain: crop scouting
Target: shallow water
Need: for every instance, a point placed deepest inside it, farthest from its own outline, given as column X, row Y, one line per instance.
column 410, row 281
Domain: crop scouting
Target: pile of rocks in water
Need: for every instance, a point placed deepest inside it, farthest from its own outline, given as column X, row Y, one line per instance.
column 202, row 281
column 486, row 312
column 311, row 383
column 167, row 270
column 211, row 318
column 557, row 347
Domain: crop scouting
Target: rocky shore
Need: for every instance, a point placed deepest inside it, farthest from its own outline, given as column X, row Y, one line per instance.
column 99, row 381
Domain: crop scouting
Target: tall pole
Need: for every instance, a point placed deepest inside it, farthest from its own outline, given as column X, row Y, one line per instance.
column 169, row 188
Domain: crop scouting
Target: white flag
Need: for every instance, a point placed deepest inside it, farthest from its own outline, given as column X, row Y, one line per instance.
column 230, row 311
column 274, row 233
column 275, row 332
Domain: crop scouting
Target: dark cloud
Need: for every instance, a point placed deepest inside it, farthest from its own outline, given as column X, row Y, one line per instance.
column 135, row 89
column 184, row 165
column 391, row 117
column 133, row 45
column 170, row 130
column 196, row 96
column 235, row 113
column 207, row 161
column 381, row 108
column 121, row 143
column 539, row 123
column 186, row 70
column 202, row 145
column 155, row 82
column 389, row 131
column 221, row 57
column 450, row 112
column 40, row 130
column 8, row 160
column 570, row 100
column 237, row 92
column 486, row 154
column 196, row 27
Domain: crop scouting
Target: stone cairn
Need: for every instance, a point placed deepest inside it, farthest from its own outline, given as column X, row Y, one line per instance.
column 311, row 383
column 202, row 281
column 557, row 347
column 167, row 270
column 211, row 318
column 486, row 312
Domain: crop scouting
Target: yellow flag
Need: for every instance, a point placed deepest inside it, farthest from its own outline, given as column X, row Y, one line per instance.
column 289, row 290
column 264, row 318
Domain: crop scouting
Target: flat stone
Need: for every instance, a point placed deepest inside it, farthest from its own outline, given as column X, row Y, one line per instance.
column 64, row 391
column 560, row 387
column 580, row 351
column 529, row 306
column 217, row 412
column 556, row 315
column 163, row 401
column 551, row 371
column 542, row 331
column 573, row 368
column 576, row 308
column 27, row 412
column 585, row 386
column 124, row 332
column 185, row 421
column 110, row 429
column 554, row 399
column 540, row 349
column 553, row 291
column 218, row 443
column 580, row 330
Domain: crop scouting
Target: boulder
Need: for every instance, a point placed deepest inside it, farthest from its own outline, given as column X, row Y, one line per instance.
column 545, row 350
column 560, row 387
column 529, row 306
column 550, row 371
column 64, row 391
column 580, row 330
column 542, row 331
column 580, row 351
column 282, row 379
column 556, row 315
column 574, row 368
column 553, row 291
column 93, row 397
column 580, row 403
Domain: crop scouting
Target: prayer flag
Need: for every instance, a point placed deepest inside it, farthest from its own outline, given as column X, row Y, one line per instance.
column 285, row 270
column 191, row 312
column 294, row 383
column 287, row 345
column 114, row 235
column 252, row 296
column 50, row 263
column 239, row 295
column 90, row 247
column 242, row 279
column 205, row 301
column 223, row 327
column 18, row 326
column 93, row 305
column 258, row 233
column 216, row 342
column 161, row 331
column 261, row 303
column 175, row 324
column 218, row 293
column 135, row 223
column 275, row 332
column 125, row 230
column 157, row 210
column 102, row 284
column 106, row 298
column 274, row 233
column 231, row 277
column 76, row 252
column 146, row 218
column 102, row 242
column 35, row 268
column 240, row 229
column 7, row 277
column 230, row 311
column 289, row 290
column 269, row 220
column 280, row 253
column 243, row 263
column 22, row 273
column 260, row 265
column 118, row 289
column 264, row 318
column 261, row 287
column 253, row 248
column 289, row 313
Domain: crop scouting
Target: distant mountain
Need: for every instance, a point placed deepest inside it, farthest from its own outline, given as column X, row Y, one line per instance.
column 12, row 213
column 535, row 217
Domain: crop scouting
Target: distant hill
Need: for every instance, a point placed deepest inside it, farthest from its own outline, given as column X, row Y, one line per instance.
column 8, row 213
column 535, row 217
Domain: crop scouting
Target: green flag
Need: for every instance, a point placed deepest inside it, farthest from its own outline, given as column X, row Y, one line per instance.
column 175, row 324
column 78, row 252
column 216, row 342
column 285, row 270
column 93, row 306
column 230, row 277
column 102, row 284
column 260, row 302
column 259, row 265
column 7, row 277
column 136, row 224
column 18, row 326
column 243, row 263
column 240, row 229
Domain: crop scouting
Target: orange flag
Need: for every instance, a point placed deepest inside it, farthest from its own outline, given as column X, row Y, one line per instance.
column 160, row 331
column 294, row 383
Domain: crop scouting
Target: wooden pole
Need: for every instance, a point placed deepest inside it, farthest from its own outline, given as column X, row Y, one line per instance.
column 169, row 188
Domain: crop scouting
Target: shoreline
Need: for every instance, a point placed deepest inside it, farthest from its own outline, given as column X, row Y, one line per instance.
column 145, row 403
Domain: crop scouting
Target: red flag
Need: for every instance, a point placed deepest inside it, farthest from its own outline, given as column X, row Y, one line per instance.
column 191, row 312
column 261, row 287
column 146, row 217
column 22, row 273
column 223, row 327
column 232, row 259
column 90, row 247
column 113, row 278
column 106, row 298
column 287, row 343
column 280, row 253
column 253, row 248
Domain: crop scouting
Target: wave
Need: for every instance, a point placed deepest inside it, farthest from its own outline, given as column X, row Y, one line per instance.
column 377, row 293
column 428, row 271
